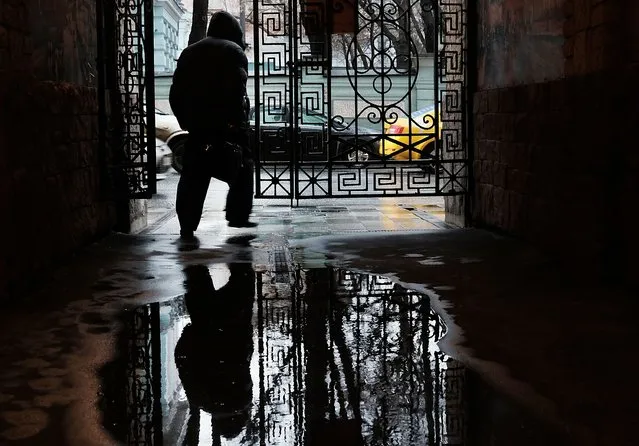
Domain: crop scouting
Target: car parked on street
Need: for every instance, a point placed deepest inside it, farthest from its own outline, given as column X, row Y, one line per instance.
column 412, row 138
column 172, row 136
column 346, row 143
column 165, row 126
column 163, row 156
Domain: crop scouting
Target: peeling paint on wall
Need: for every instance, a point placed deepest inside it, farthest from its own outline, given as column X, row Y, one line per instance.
column 64, row 40
column 520, row 42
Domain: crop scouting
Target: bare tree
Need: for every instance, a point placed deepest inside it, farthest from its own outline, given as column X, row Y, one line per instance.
column 200, row 19
column 412, row 29
column 243, row 18
column 414, row 26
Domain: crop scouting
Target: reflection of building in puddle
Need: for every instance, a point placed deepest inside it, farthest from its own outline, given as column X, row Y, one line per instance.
column 338, row 356
column 172, row 321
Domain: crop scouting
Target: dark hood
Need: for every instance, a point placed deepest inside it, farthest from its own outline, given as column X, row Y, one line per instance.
column 224, row 26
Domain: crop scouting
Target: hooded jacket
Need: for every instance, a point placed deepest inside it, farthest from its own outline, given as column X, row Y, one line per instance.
column 209, row 83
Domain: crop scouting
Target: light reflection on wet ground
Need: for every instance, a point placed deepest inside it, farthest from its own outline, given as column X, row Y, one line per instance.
column 244, row 358
column 534, row 343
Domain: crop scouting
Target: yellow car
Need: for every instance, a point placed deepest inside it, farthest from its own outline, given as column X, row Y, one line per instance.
column 415, row 141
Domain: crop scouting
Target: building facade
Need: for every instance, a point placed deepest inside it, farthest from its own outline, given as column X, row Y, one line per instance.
column 167, row 16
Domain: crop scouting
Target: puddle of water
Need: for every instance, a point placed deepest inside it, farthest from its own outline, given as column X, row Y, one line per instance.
column 331, row 357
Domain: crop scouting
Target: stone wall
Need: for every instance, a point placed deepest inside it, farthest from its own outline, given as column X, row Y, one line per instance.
column 64, row 38
column 54, row 194
column 557, row 162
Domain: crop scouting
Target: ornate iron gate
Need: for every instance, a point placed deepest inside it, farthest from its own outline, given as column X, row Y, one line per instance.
column 127, row 52
column 131, row 391
column 360, row 98
column 348, row 349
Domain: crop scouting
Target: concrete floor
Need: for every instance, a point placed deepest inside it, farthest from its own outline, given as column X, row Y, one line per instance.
column 550, row 360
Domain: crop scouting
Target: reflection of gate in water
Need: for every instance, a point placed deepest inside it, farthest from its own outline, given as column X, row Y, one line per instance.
column 338, row 353
column 131, row 386
column 367, row 353
column 385, row 134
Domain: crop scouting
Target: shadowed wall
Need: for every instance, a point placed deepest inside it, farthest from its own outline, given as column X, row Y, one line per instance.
column 556, row 159
column 51, row 174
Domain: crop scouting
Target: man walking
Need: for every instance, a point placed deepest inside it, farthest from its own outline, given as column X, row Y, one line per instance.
column 208, row 98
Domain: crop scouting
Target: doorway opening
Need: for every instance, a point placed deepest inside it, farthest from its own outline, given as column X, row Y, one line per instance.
column 350, row 100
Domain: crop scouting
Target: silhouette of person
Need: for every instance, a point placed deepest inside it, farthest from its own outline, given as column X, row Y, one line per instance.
column 208, row 97
column 214, row 352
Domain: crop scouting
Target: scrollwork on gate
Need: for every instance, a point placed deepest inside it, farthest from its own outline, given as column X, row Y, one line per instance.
column 392, row 91
column 133, row 98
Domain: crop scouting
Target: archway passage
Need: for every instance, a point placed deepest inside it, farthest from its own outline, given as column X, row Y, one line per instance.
column 350, row 99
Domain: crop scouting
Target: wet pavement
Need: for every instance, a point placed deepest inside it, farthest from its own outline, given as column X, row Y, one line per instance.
column 331, row 355
column 308, row 218
column 282, row 337
column 327, row 356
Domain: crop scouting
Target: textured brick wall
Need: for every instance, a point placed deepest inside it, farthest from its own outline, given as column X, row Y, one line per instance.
column 15, row 42
column 557, row 162
column 52, row 196
column 558, row 166
column 50, row 177
column 594, row 39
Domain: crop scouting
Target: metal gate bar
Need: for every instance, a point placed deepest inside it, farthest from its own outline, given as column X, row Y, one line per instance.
column 132, row 97
column 310, row 144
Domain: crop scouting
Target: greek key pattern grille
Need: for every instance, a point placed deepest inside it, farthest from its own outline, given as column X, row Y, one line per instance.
column 365, row 354
column 451, row 88
column 367, row 99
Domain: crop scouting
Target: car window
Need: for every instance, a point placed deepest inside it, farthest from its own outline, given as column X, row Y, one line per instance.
column 423, row 111
column 275, row 114
column 272, row 114
column 313, row 117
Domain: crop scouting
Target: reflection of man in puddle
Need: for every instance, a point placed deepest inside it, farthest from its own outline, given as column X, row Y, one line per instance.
column 214, row 352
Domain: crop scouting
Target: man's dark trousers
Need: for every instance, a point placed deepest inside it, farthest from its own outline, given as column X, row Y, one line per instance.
column 194, row 184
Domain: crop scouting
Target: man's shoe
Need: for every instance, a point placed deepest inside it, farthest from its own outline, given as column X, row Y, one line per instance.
column 242, row 224
column 185, row 233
